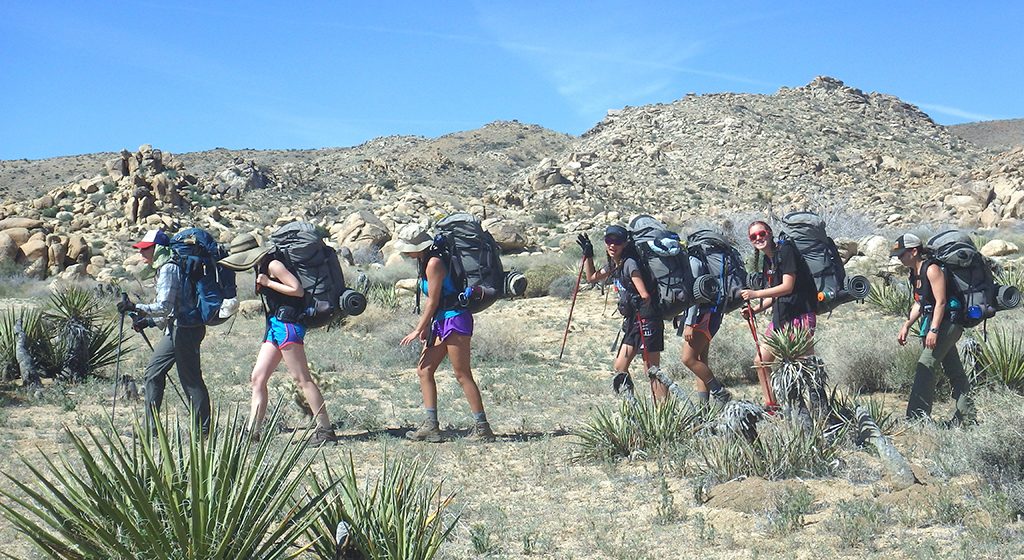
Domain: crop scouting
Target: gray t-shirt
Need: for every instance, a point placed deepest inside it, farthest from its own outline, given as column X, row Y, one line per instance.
column 622, row 277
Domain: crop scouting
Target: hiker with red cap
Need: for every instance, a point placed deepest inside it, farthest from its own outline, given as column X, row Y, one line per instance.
column 179, row 345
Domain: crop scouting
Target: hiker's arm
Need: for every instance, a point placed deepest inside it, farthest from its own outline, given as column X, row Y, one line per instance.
column 938, row 282
column 168, row 284
column 435, row 280
column 281, row 280
column 593, row 274
column 641, row 288
column 915, row 314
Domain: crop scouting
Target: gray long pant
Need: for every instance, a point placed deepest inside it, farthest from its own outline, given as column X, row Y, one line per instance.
column 923, row 392
column 180, row 347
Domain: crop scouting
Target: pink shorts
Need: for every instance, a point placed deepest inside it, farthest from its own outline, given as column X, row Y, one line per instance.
column 807, row 321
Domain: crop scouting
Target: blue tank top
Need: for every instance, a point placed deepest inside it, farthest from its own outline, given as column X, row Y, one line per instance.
column 447, row 290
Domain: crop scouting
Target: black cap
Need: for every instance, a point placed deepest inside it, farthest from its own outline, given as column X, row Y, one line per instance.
column 903, row 243
column 618, row 232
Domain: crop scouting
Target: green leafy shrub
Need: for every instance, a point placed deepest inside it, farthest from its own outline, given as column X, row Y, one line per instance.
column 787, row 510
column 176, row 496
column 401, row 515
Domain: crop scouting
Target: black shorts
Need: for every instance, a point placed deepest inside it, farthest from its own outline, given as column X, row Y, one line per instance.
column 653, row 334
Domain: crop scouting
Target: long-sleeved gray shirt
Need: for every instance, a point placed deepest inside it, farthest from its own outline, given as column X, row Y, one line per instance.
column 168, row 286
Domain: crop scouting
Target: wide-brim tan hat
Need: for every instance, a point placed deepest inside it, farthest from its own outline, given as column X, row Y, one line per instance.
column 245, row 250
column 413, row 238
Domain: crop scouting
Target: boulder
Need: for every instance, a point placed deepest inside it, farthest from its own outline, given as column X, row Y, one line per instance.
column 19, row 235
column 999, row 248
column 8, row 249
column 43, row 202
column 75, row 273
column 33, row 250
column 875, row 246
column 57, row 253
column 362, row 230
column 78, row 249
column 26, row 223
column 116, row 168
column 250, row 308
column 989, row 218
column 847, row 248
column 509, row 235
column 407, row 284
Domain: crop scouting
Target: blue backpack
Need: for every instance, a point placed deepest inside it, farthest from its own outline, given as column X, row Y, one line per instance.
column 204, row 283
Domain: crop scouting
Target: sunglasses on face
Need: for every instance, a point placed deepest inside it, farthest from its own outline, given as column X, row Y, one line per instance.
column 612, row 240
column 758, row 235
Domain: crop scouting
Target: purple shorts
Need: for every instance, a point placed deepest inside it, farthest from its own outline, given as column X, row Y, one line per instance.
column 461, row 324
column 807, row 321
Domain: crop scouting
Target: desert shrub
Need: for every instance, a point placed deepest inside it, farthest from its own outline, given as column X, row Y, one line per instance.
column 176, row 496
column 992, row 450
column 562, row 287
column 496, row 342
column 782, row 450
column 732, row 353
column 50, row 212
column 383, row 295
column 367, row 255
column 402, row 514
column 1000, row 359
column 857, row 523
column 539, row 279
column 787, row 510
column 891, row 299
column 546, row 216
column 635, row 430
column 866, row 358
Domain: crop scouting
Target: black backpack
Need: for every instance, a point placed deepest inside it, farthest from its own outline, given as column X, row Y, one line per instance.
column 970, row 278
column 205, row 284
column 806, row 231
column 303, row 252
column 665, row 265
column 723, row 262
column 474, row 263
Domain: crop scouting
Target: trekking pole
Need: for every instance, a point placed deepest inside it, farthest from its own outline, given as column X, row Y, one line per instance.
column 647, row 359
column 117, row 360
column 752, row 324
column 572, row 306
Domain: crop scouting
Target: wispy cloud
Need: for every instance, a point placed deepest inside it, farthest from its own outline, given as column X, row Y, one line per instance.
column 954, row 112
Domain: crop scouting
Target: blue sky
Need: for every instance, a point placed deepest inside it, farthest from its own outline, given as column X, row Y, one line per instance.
column 80, row 77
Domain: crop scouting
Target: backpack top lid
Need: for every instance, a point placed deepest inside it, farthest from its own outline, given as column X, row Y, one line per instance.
column 804, row 225
column 953, row 248
column 652, row 235
column 195, row 242
column 709, row 238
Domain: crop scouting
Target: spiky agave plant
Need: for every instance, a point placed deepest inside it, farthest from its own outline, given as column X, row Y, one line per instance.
column 798, row 377
column 177, row 496
column 38, row 340
column 401, row 514
column 1011, row 276
column 1000, row 359
column 637, row 429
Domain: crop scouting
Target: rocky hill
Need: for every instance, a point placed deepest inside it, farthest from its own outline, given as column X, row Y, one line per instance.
column 996, row 135
column 825, row 145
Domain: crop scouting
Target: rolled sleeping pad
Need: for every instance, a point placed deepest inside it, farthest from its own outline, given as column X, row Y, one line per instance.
column 756, row 281
column 515, row 284
column 352, row 302
column 706, row 289
column 858, row 286
column 1007, row 297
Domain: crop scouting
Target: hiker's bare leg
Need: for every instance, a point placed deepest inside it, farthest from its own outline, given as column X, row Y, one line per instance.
column 266, row 362
column 295, row 360
column 430, row 358
column 695, row 357
column 459, row 355
column 624, row 357
column 764, row 375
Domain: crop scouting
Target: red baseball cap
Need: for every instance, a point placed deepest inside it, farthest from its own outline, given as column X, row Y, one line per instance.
column 153, row 237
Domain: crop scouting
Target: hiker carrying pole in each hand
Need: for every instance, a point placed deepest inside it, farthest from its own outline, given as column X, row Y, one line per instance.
column 642, row 328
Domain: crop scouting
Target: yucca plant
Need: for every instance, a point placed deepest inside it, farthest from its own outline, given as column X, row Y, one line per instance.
column 844, row 406
column 798, row 377
column 176, row 496
column 782, row 449
column 35, row 333
column 383, row 295
column 891, row 299
column 636, row 429
column 1000, row 359
column 400, row 515
column 1011, row 276
column 82, row 341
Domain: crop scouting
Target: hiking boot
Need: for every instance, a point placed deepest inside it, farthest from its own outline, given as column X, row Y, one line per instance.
column 321, row 436
column 428, row 431
column 481, row 432
column 721, row 396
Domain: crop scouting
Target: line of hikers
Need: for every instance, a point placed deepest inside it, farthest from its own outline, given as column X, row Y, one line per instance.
column 797, row 275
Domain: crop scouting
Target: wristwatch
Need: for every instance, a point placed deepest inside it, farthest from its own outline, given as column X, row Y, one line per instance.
column 934, row 330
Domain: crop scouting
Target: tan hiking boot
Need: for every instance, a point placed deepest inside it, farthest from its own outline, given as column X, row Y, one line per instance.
column 481, row 432
column 428, row 431
column 321, row 436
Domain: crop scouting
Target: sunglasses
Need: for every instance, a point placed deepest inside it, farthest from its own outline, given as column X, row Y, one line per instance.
column 612, row 240
column 757, row 235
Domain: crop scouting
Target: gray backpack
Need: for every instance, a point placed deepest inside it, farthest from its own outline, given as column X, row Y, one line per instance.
column 304, row 254
column 665, row 266
column 724, row 263
column 976, row 296
column 806, row 231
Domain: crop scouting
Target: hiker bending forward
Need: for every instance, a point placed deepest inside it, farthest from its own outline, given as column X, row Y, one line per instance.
column 445, row 329
column 285, row 335
column 939, row 332
column 789, row 293
column 643, row 330
column 698, row 326
column 180, row 343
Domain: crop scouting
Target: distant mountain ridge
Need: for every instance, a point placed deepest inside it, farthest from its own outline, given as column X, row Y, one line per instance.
column 997, row 135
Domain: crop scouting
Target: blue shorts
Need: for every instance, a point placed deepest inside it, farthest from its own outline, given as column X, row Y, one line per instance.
column 282, row 334
column 708, row 324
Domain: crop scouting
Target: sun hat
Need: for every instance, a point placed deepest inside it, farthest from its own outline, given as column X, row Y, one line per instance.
column 412, row 238
column 904, row 243
column 153, row 237
column 245, row 250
